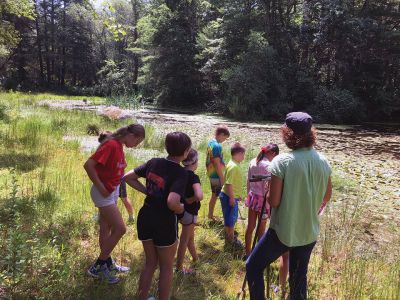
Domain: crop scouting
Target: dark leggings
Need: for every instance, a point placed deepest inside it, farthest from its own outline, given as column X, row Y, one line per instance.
column 270, row 248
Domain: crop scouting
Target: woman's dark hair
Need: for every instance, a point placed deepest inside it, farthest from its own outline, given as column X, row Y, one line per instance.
column 297, row 141
column 267, row 148
column 135, row 129
column 176, row 143
column 237, row 148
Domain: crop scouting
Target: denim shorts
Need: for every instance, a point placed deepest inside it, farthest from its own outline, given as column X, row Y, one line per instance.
column 101, row 201
column 230, row 212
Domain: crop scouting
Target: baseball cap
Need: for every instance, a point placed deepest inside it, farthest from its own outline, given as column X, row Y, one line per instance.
column 299, row 122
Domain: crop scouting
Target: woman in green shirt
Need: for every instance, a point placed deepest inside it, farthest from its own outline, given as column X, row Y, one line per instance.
column 300, row 183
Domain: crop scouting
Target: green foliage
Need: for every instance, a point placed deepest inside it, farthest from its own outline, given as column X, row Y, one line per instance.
column 9, row 36
column 336, row 106
column 115, row 80
column 195, row 53
column 173, row 69
column 256, row 85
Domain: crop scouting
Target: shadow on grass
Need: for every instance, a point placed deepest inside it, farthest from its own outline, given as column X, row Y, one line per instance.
column 21, row 162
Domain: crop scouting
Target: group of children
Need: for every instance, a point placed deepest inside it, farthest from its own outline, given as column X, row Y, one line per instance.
column 172, row 194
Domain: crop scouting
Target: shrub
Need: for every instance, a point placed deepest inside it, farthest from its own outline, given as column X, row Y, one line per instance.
column 336, row 106
column 256, row 85
column 92, row 129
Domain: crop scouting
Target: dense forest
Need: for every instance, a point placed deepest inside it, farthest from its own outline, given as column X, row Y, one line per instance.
column 251, row 59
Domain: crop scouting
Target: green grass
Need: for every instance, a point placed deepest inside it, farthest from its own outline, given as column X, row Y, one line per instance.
column 49, row 238
column 20, row 97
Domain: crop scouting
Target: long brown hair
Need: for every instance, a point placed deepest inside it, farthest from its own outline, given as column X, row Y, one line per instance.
column 104, row 136
column 267, row 148
column 297, row 141
column 135, row 129
column 191, row 159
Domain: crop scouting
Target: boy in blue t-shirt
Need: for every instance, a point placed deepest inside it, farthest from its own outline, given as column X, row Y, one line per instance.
column 215, row 166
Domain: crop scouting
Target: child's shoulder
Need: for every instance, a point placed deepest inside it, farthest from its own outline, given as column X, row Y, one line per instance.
column 213, row 143
column 192, row 175
column 232, row 165
column 112, row 143
column 253, row 162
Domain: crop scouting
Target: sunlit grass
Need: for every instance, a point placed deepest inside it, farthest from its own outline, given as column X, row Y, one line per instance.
column 49, row 237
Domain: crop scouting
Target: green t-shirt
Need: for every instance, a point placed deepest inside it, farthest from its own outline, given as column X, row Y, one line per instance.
column 234, row 177
column 305, row 175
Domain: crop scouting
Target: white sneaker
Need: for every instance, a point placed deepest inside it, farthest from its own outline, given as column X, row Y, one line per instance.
column 102, row 272
column 118, row 269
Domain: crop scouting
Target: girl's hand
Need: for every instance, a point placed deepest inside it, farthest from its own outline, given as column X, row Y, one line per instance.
column 232, row 202
column 104, row 192
column 181, row 209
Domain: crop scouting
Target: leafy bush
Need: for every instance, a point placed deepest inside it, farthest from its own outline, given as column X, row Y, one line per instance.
column 3, row 113
column 256, row 85
column 93, row 129
column 336, row 106
column 115, row 79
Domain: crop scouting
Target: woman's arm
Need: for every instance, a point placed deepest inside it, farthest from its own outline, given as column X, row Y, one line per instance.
column 327, row 197
column 132, row 179
column 90, row 167
column 275, row 191
column 174, row 203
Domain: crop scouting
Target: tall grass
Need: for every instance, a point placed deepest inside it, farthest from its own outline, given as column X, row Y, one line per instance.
column 49, row 237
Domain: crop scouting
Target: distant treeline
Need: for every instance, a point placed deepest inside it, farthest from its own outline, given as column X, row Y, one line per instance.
column 252, row 59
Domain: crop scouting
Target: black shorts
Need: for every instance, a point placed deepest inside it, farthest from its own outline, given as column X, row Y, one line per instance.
column 159, row 226
column 122, row 190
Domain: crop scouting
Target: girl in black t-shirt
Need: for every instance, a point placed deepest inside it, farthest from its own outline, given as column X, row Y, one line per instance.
column 157, row 224
column 193, row 196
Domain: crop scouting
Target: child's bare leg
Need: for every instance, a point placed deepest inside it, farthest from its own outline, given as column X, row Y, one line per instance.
column 229, row 233
column 283, row 270
column 211, row 206
column 166, row 259
column 104, row 231
column 128, row 206
column 111, row 215
column 251, row 224
column 147, row 273
column 190, row 245
column 183, row 243
column 261, row 230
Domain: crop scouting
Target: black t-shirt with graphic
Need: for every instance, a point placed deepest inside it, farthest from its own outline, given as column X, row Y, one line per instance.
column 162, row 177
column 194, row 207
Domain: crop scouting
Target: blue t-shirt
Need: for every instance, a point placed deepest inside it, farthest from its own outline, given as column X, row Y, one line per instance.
column 214, row 149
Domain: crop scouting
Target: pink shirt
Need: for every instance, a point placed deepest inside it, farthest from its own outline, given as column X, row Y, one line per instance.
column 262, row 168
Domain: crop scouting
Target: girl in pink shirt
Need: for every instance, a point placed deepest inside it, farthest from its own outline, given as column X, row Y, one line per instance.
column 259, row 166
column 256, row 191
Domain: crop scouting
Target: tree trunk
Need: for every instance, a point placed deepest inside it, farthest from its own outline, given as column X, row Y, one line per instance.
column 52, row 38
column 63, row 63
column 39, row 44
column 135, row 9
column 46, row 42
